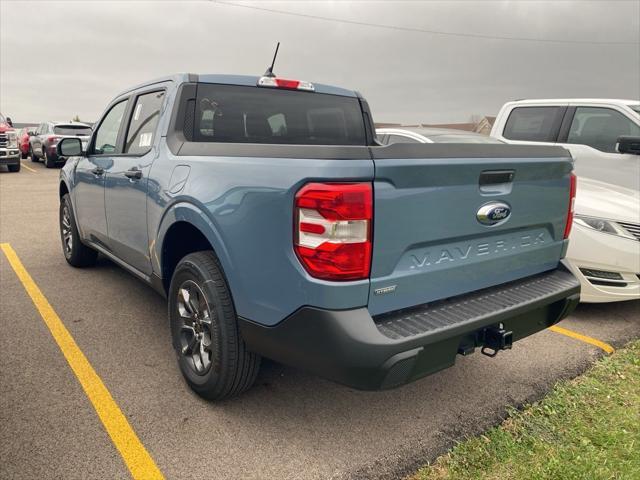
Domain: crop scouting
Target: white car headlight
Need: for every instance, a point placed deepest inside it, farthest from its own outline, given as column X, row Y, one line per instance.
column 603, row 225
column 12, row 138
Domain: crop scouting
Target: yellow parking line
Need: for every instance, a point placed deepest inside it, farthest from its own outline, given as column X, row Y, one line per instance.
column 29, row 168
column 583, row 338
column 136, row 457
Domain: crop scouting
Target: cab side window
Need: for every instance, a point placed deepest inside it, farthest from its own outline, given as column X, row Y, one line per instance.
column 600, row 128
column 534, row 124
column 143, row 124
column 107, row 133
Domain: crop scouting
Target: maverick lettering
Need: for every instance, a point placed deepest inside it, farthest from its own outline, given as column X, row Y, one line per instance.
column 453, row 254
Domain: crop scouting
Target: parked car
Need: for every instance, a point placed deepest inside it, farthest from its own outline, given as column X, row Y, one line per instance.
column 604, row 252
column 602, row 135
column 9, row 152
column 42, row 144
column 387, row 136
column 23, row 140
column 275, row 224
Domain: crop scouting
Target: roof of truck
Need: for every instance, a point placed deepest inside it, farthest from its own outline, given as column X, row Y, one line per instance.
column 243, row 80
column 578, row 100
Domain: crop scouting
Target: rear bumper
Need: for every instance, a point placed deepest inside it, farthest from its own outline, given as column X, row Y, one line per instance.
column 352, row 348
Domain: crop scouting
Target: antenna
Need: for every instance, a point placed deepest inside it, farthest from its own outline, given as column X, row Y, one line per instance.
column 269, row 72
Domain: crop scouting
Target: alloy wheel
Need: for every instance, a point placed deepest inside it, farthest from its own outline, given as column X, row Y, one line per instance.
column 67, row 237
column 195, row 327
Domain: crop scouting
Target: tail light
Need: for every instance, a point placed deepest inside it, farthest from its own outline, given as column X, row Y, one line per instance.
column 572, row 202
column 274, row 82
column 53, row 139
column 332, row 232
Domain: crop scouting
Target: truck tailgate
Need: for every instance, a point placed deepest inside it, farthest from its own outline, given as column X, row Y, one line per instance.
column 429, row 243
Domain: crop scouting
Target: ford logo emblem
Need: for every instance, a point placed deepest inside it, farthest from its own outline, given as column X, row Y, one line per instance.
column 493, row 213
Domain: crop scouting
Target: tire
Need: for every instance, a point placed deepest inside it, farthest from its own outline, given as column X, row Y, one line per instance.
column 48, row 162
column 75, row 252
column 32, row 155
column 205, row 314
column 23, row 155
column 15, row 167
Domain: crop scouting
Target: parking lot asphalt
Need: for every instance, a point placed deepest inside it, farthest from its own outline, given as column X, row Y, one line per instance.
column 291, row 425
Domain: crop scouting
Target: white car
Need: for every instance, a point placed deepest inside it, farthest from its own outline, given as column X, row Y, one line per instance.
column 591, row 129
column 387, row 136
column 604, row 245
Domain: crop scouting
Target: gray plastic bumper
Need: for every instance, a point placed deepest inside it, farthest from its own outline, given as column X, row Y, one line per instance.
column 352, row 348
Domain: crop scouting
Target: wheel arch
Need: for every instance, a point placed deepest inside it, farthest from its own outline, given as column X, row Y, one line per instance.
column 185, row 229
column 63, row 189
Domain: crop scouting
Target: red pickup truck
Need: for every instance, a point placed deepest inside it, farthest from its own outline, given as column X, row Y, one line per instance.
column 9, row 152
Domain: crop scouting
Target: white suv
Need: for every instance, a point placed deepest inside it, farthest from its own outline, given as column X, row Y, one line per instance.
column 589, row 128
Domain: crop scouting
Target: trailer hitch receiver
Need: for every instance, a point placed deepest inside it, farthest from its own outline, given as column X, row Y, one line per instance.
column 495, row 339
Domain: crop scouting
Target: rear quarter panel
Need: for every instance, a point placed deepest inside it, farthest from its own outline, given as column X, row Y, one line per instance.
column 244, row 206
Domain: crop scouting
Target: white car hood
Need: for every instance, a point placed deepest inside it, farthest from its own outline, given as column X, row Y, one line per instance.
column 604, row 200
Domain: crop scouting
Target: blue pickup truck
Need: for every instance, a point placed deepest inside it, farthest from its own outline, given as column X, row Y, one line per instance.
column 276, row 225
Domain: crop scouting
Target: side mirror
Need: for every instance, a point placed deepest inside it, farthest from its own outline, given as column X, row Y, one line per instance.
column 30, row 133
column 69, row 147
column 629, row 144
column 9, row 121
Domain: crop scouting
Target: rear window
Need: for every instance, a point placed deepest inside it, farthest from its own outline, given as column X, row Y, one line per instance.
column 238, row 114
column 71, row 130
column 534, row 124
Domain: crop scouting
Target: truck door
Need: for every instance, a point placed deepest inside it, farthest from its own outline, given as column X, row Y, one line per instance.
column 126, row 182
column 591, row 136
column 90, row 175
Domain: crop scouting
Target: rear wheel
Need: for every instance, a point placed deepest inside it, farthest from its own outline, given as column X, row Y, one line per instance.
column 23, row 155
column 14, row 168
column 212, row 355
column 75, row 252
column 48, row 161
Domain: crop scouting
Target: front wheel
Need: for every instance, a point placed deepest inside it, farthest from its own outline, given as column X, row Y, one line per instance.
column 212, row 355
column 75, row 252
column 23, row 155
column 32, row 155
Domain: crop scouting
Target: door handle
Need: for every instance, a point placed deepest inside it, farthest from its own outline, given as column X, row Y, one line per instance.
column 98, row 171
column 133, row 174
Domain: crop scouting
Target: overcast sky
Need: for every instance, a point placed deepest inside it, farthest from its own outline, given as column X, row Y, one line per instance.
column 62, row 58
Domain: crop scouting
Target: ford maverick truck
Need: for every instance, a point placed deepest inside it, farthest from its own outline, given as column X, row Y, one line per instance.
column 276, row 225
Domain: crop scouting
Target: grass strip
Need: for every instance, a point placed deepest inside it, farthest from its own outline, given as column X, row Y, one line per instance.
column 588, row 427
